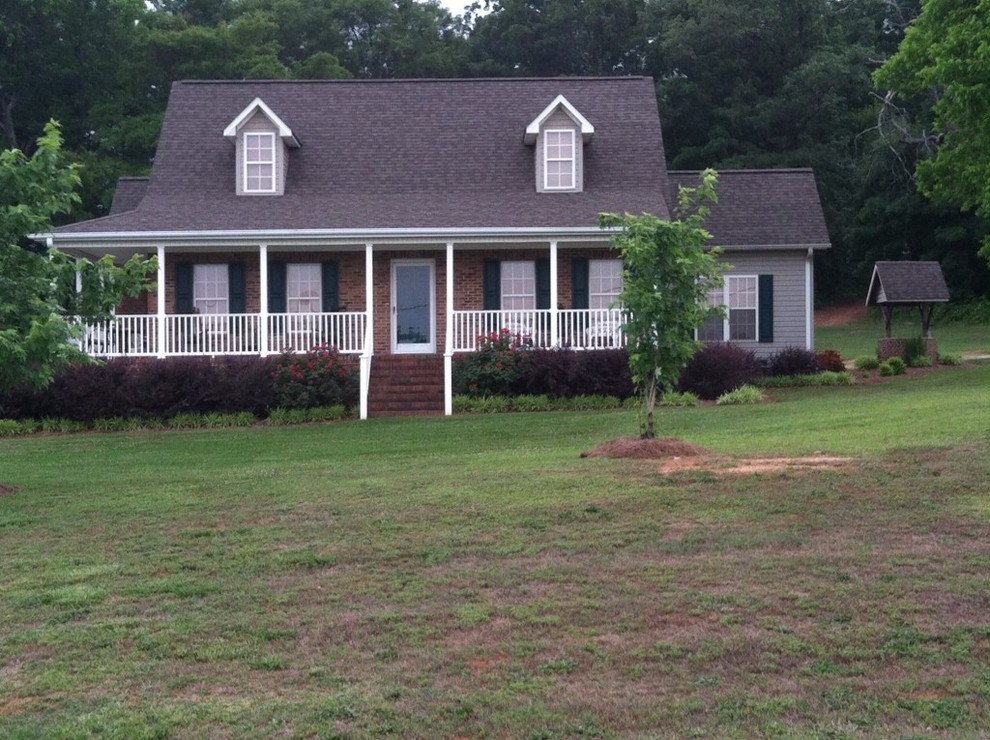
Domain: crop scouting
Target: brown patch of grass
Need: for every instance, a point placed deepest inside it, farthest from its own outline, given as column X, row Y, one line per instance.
column 6, row 490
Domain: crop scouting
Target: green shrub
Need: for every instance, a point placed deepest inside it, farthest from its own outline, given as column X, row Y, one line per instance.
column 832, row 378
column 319, row 377
column 531, row 403
column 897, row 365
column 186, row 421
column 220, row 421
column 950, row 358
column 494, row 369
column 115, row 424
column 914, row 348
column 491, row 405
column 826, row 377
column 866, row 362
column 635, row 402
column 463, row 404
column 283, row 417
column 594, row 403
column 743, row 395
column 886, row 369
column 14, row 428
column 673, row 398
column 62, row 425
column 920, row 361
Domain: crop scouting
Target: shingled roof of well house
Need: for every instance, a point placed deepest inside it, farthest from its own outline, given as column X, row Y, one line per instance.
column 761, row 208
column 907, row 282
column 400, row 154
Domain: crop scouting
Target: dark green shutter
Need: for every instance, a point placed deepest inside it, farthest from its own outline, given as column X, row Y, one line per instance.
column 579, row 283
column 542, row 284
column 184, row 287
column 331, row 287
column 766, row 308
column 236, row 287
column 276, row 287
column 492, row 285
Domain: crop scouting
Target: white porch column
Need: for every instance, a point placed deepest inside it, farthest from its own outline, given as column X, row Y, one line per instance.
column 448, row 352
column 162, row 330
column 554, row 303
column 263, row 298
column 809, row 300
column 369, row 330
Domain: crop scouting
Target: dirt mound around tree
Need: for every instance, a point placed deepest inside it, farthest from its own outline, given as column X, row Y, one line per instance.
column 646, row 449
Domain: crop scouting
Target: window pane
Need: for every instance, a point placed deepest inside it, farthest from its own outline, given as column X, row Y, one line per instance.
column 742, row 324
column 304, row 288
column 518, row 286
column 210, row 288
column 604, row 282
column 742, row 308
column 259, row 162
column 558, row 159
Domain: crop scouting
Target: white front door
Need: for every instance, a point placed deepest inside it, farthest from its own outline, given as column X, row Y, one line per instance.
column 414, row 312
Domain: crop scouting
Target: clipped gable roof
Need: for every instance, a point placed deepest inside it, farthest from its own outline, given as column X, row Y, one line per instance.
column 762, row 208
column 560, row 102
column 907, row 282
column 399, row 154
column 255, row 106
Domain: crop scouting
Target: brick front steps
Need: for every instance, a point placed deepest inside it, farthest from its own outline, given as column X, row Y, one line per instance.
column 406, row 385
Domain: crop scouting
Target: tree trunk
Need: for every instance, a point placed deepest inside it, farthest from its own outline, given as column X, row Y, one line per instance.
column 650, row 398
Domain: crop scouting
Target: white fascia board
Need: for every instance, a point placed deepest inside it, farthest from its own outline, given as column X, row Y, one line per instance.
column 272, row 236
column 771, row 247
column 533, row 129
column 284, row 132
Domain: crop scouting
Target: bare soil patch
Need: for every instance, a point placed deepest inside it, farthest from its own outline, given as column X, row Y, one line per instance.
column 679, row 456
column 840, row 315
column 6, row 490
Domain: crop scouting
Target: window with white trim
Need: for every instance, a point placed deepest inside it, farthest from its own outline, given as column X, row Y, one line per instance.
column 259, row 162
column 303, row 288
column 604, row 283
column 211, row 293
column 739, row 296
column 559, row 170
column 518, row 286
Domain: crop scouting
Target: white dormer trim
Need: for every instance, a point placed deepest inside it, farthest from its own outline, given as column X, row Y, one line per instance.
column 284, row 132
column 533, row 129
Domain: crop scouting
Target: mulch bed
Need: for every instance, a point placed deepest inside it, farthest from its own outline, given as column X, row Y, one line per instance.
column 646, row 449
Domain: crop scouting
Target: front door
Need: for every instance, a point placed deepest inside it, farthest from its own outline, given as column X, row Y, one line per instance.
column 413, row 306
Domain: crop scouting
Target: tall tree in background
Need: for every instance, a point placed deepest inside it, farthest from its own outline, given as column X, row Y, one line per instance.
column 945, row 56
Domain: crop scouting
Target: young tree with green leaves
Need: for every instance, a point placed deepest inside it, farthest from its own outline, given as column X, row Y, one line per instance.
column 38, row 296
column 668, row 274
column 944, row 57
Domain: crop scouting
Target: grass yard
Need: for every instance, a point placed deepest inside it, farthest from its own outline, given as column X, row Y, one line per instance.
column 474, row 577
column 860, row 338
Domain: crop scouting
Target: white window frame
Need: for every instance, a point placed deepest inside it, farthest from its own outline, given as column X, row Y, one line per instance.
column 260, row 162
column 293, row 286
column 547, row 159
column 596, row 298
column 203, row 277
column 529, row 267
column 725, row 297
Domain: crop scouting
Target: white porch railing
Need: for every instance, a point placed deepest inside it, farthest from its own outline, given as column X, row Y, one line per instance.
column 576, row 328
column 301, row 331
column 223, row 334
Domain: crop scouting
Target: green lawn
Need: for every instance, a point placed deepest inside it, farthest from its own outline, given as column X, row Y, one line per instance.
column 475, row 577
column 860, row 338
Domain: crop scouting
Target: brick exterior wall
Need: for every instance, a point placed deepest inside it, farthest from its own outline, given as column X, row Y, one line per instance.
column 468, row 287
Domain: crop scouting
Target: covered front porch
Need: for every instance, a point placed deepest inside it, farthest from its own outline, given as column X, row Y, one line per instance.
column 412, row 299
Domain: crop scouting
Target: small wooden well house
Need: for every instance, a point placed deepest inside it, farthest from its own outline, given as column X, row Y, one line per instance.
column 906, row 284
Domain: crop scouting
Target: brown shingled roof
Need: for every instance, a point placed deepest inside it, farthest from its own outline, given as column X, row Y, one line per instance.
column 762, row 208
column 907, row 282
column 399, row 154
column 127, row 196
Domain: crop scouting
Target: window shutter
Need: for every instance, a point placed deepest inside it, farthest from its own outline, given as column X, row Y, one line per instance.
column 766, row 308
column 492, row 285
column 184, row 287
column 579, row 283
column 236, row 287
column 276, row 287
column 542, row 284
column 331, row 287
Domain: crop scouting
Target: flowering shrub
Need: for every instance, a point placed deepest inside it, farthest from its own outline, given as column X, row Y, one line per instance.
column 319, row 377
column 492, row 370
column 831, row 361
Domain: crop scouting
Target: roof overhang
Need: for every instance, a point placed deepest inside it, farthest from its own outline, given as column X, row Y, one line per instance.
column 284, row 132
column 533, row 129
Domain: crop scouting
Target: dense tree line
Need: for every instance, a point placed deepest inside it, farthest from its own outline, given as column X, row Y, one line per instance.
column 741, row 83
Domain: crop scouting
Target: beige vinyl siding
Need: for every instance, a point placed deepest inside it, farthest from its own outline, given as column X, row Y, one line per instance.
column 560, row 120
column 789, row 310
column 259, row 123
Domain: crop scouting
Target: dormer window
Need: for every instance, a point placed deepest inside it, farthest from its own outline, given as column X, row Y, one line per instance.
column 559, row 150
column 259, row 162
column 261, row 142
column 559, row 160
